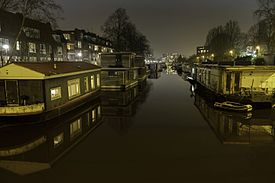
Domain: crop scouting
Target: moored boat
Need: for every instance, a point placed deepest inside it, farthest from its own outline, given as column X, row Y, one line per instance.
column 233, row 106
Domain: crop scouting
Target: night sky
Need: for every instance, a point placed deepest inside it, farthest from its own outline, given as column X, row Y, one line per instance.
column 170, row 25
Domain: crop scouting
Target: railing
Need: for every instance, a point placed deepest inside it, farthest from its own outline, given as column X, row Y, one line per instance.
column 22, row 110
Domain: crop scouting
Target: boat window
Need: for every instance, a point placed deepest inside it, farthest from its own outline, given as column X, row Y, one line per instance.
column 74, row 88
column 58, row 140
column 86, row 84
column 98, row 80
column 56, row 93
column 93, row 82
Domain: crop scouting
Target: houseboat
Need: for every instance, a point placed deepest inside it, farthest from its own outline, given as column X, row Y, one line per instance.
column 249, row 84
column 52, row 88
column 119, row 71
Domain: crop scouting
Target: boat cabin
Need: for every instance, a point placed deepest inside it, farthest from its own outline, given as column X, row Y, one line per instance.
column 118, row 70
column 32, row 88
column 256, row 82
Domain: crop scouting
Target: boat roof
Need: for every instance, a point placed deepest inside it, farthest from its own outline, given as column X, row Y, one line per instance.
column 44, row 70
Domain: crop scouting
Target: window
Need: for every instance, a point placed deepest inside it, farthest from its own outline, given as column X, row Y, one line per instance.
column 93, row 115
column 31, row 33
column 96, row 48
column 3, row 41
column 113, row 73
column 67, row 36
column 98, row 80
column 59, row 50
column 75, row 128
column 18, row 45
column 42, row 48
column 58, row 140
column 86, row 84
column 92, row 82
column 56, row 93
column 70, row 46
column 98, row 111
column 32, row 48
column 74, row 88
column 79, row 44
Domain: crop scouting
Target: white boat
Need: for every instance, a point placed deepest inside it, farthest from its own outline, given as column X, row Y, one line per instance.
column 233, row 106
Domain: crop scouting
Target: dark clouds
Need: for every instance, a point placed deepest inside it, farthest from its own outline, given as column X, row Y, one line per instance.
column 170, row 25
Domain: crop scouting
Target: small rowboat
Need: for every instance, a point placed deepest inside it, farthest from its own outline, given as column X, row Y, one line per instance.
column 233, row 106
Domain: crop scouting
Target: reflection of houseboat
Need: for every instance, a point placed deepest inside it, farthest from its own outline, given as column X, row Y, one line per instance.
column 251, row 83
column 154, row 75
column 38, row 147
column 55, row 88
column 118, row 107
column 121, row 70
column 238, row 128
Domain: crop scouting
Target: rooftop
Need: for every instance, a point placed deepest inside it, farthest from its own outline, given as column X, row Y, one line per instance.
column 55, row 68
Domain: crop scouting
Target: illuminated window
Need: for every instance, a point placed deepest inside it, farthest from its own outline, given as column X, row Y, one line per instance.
column 56, row 93
column 58, row 140
column 93, row 115
column 96, row 48
column 18, row 45
column 92, row 82
column 79, row 44
column 75, row 128
column 67, row 36
column 42, row 48
column 98, row 111
column 59, row 50
column 98, row 80
column 74, row 88
column 70, row 46
column 32, row 48
column 86, row 84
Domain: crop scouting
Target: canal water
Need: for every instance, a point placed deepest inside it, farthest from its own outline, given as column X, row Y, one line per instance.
column 164, row 133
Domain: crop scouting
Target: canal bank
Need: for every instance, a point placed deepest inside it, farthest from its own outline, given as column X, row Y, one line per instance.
column 168, row 140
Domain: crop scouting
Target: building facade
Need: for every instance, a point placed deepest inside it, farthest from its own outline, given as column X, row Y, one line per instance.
column 37, row 42
column 85, row 46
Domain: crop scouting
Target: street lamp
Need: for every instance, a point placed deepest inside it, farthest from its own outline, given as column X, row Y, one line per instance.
column 258, row 48
column 6, row 47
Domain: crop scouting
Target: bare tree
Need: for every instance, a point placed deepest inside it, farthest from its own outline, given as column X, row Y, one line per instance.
column 221, row 39
column 41, row 10
column 123, row 33
column 266, row 14
column 8, row 5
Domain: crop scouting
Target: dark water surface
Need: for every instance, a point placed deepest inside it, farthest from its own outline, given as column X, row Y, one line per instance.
column 166, row 134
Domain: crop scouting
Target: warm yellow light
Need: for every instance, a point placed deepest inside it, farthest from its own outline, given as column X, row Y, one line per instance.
column 212, row 55
column 231, row 52
column 258, row 47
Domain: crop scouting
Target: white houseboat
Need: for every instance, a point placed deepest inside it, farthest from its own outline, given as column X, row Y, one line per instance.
column 31, row 88
column 253, row 83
